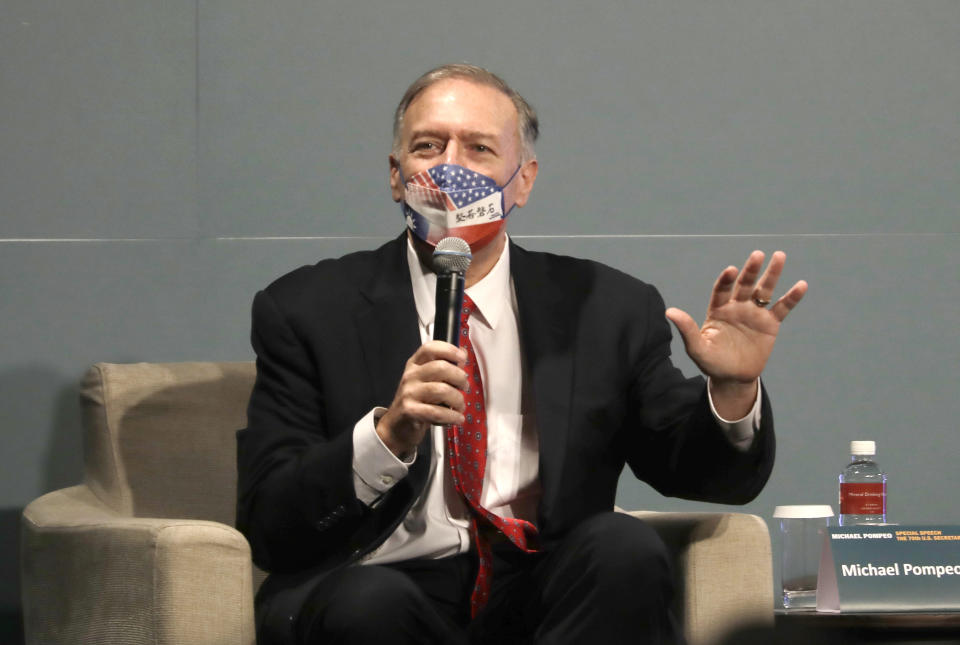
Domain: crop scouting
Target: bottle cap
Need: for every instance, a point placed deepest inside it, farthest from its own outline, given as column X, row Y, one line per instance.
column 863, row 447
column 803, row 512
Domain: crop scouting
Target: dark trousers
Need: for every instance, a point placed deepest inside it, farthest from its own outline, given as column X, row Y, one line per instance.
column 608, row 581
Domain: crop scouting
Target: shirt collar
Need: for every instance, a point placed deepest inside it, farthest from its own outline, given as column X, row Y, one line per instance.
column 490, row 295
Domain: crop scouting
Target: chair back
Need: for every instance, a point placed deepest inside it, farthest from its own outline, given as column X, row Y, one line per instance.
column 160, row 438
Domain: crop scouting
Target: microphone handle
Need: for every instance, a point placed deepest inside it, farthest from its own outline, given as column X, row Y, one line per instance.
column 446, row 324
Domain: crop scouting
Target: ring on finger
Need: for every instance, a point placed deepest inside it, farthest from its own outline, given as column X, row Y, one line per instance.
column 759, row 301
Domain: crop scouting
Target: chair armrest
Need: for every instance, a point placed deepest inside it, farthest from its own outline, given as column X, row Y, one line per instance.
column 90, row 575
column 724, row 570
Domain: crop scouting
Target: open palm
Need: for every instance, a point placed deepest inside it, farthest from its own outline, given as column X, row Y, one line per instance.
column 739, row 332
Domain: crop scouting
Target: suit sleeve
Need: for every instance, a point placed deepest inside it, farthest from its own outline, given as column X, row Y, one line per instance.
column 675, row 443
column 296, row 496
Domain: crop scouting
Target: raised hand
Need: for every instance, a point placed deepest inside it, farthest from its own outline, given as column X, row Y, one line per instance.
column 738, row 334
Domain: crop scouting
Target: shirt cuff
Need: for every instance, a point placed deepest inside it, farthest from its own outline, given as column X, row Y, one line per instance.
column 739, row 433
column 375, row 468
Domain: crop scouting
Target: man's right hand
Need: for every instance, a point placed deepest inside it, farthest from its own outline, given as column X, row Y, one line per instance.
column 430, row 393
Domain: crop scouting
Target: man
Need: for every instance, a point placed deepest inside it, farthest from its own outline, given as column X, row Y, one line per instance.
column 361, row 484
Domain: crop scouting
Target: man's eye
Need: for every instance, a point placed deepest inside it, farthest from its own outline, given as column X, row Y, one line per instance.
column 425, row 145
column 481, row 148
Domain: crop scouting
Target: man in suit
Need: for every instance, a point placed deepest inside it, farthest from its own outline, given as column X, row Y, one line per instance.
column 355, row 489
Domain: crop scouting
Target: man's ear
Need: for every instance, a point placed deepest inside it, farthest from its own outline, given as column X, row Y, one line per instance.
column 396, row 183
column 525, row 178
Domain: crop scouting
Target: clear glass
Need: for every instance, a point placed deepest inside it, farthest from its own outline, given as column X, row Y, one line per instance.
column 863, row 469
column 801, row 540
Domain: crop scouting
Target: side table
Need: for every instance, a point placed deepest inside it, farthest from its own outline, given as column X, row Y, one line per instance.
column 885, row 627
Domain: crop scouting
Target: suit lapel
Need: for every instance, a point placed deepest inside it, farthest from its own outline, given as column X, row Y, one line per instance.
column 548, row 332
column 387, row 325
column 386, row 321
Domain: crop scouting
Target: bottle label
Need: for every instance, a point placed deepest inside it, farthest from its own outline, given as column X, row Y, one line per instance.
column 863, row 499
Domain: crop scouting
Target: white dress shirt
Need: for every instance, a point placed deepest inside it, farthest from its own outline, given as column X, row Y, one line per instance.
column 438, row 523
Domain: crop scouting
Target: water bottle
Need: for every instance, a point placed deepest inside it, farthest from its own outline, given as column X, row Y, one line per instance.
column 863, row 487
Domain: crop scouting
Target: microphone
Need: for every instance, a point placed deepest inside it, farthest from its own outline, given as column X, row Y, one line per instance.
column 451, row 259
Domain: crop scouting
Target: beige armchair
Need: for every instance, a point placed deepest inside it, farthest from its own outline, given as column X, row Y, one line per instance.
column 144, row 550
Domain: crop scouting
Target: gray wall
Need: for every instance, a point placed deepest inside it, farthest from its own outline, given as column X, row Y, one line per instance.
column 160, row 161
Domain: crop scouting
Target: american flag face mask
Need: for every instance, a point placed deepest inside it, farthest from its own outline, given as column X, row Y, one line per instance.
column 450, row 200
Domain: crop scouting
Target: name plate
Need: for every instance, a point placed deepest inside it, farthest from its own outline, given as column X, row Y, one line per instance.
column 889, row 568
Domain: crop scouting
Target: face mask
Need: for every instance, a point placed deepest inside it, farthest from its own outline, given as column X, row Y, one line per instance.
column 450, row 200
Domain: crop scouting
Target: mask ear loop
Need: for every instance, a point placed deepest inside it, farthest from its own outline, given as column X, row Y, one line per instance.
column 503, row 194
column 511, row 177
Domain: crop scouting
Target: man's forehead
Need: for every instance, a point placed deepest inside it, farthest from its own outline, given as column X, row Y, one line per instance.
column 485, row 107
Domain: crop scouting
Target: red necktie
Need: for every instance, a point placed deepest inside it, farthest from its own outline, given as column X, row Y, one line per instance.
column 467, row 453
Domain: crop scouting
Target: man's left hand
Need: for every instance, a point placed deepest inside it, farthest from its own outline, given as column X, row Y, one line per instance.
column 735, row 341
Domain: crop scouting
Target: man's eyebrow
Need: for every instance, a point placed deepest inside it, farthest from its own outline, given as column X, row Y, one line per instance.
column 476, row 135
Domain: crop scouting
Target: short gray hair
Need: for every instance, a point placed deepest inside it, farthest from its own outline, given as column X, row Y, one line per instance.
column 528, row 123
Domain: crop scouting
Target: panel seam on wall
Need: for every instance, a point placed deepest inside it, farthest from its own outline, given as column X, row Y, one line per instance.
column 638, row 236
column 197, row 202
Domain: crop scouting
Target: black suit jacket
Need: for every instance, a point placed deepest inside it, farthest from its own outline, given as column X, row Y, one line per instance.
column 332, row 340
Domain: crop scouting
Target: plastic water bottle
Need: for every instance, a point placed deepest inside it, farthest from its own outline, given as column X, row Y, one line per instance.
column 863, row 487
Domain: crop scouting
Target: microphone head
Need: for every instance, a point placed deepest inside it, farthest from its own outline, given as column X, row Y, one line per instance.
column 452, row 255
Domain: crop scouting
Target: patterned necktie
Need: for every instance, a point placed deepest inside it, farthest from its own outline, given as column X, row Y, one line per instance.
column 467, row 453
